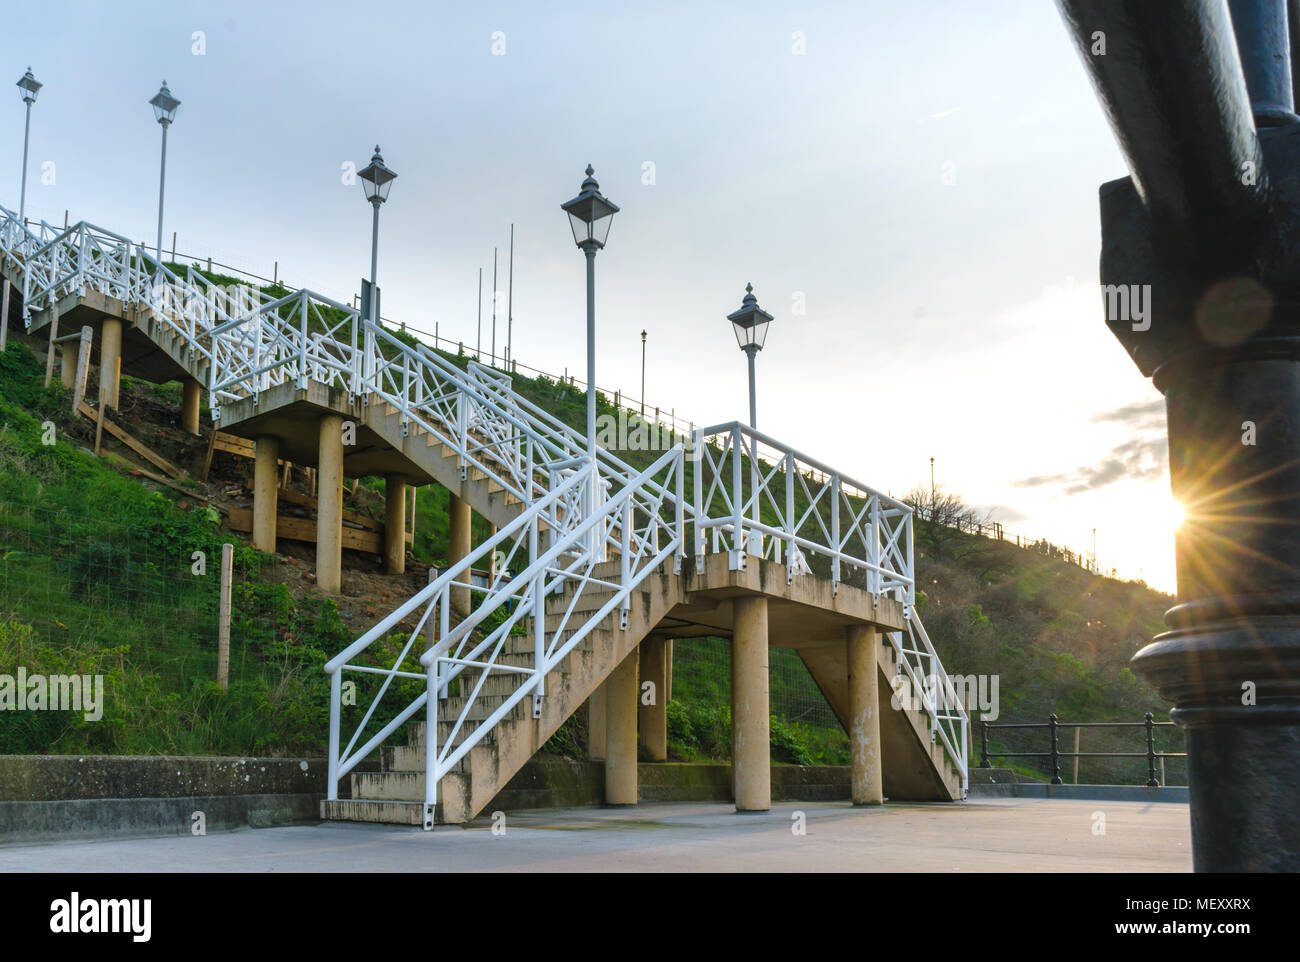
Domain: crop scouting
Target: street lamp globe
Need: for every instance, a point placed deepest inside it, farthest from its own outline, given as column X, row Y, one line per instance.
column 376, row 179
column 28, row 87
column 590, row 214
column 750, row 322
column 164, row 105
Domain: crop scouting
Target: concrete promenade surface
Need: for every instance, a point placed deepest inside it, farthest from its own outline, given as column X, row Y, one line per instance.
column 986, row 835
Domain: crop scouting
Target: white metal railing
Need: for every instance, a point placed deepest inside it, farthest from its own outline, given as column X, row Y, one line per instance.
column 530, row 563
column 762, row 497
column 922, row 677
column 752, row 494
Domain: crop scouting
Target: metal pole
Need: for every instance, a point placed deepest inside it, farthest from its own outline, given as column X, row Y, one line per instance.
column 478, row 348
column 374, row 256
column 22, row 200
column 597, row 531
column 494, row 307
column 753, row 404
column 162, row 183
column 374, row 288
column 1151, row 752
column 510, row 303
column 643, row 375
column 984, row 745
column 751, row 351
column 591, row 356
column 1056, row 749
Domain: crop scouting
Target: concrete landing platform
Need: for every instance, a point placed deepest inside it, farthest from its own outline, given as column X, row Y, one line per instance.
column 986, row 835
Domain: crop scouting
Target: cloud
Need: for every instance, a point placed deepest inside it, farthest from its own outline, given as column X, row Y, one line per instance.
column 1140, row 416
column 1138, row 459
column 999, row 512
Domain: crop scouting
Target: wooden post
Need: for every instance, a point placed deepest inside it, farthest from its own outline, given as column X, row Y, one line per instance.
column 4, row 317
column 83, row 367
column 67, row 362
column 99, row 418
column 54, row 332
column 223, row 616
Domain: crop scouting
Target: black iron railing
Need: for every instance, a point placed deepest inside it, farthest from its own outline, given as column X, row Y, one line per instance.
column 1054, row 725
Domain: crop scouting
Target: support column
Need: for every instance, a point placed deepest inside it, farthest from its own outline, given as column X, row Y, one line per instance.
column 596, row 724
column 264, row 493
column 864, row 715
column 751, row 753
column 395, row 523
column 190, row 405
column 458, row 548
column 68, row 358
column 653, row 717
column 110, row 360
column 329, row 506
column 620, row 732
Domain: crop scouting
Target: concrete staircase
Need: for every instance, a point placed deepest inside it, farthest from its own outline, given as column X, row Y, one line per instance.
column 395, row 795
column 917, row 765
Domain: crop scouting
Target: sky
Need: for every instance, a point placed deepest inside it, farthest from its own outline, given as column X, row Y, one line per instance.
column 910, row 188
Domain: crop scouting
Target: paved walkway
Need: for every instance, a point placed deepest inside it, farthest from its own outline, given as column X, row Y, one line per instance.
column 982, row 835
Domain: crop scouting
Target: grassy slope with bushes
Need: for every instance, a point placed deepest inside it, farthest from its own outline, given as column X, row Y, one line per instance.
column 137, row 614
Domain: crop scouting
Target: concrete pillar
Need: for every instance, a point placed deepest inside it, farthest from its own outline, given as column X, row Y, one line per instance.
column 864, row 715
column 68, row 357
column 329, row 506
column 265, row 484
column 395, row 523
column 620, row 733
column 190, row 405
column 653, row 718
column 110, row 360
column 596, row 724
column 751, row 753
column 458, row 547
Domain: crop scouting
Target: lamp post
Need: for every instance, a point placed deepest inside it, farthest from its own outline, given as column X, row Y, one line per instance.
column 376, row 180
column 750, row 324
column 643, row 375
column 164, row 111
column 29, row 87
column 590, row 217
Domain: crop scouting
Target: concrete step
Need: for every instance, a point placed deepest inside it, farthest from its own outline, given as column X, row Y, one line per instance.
column 366, row 810
column 409, row 758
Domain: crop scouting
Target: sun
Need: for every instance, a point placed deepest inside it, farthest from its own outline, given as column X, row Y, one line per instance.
column 1172, row 513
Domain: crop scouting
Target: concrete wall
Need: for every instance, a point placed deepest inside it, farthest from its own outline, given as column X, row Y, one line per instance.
column 567, row 782
column 55, row 797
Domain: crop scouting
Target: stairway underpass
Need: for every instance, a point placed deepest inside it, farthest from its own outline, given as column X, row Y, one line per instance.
column 727, row 533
